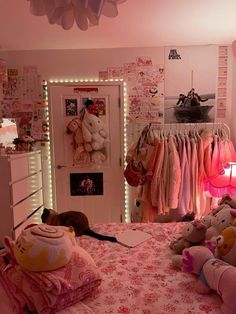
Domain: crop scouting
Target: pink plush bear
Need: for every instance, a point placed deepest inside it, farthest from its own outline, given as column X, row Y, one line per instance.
column 214, row 274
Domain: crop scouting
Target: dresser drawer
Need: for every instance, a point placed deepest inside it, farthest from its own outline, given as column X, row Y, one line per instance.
column 24, row 188
column 34, row 219
column 25, row 208
column 23, row 166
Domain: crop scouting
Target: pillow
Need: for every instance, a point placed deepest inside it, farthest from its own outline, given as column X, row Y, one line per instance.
column 51, row 291
column 43, row 248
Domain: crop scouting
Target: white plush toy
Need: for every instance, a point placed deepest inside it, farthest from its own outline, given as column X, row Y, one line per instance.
column 94, row 132
column 220, row 221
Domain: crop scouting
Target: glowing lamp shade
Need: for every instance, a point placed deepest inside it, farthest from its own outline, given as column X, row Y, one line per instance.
column 223, row 183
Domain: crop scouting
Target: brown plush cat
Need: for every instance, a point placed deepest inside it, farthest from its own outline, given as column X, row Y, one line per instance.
column 77, row 220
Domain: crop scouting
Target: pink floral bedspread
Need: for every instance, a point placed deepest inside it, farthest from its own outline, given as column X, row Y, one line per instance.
column 140, row 280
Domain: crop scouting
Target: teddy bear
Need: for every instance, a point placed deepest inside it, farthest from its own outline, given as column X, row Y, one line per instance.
column 81, row 155
column 94, row 132
column 226, row 244
column 193, row 233
column 223, row 217
column 214, row 274
column 97, row 157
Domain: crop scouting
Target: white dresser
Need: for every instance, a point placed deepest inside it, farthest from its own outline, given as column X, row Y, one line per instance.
column 21, row 194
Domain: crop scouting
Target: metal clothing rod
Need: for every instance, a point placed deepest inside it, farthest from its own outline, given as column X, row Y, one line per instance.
column 135, row 130
column 192, row 126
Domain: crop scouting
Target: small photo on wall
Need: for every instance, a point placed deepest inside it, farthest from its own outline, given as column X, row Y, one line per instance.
column 100, row 104
column 82, row 184
column 71, row 106
column 84, row 99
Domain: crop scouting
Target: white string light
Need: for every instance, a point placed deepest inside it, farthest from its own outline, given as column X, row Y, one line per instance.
column 126, row 190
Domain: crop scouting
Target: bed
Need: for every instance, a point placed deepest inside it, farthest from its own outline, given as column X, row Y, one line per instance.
column 137, row 280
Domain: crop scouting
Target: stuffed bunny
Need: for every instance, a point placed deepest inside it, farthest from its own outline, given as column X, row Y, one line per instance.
column 94, row 132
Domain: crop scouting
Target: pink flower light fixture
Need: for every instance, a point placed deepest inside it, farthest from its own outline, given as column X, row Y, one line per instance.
column 84, row 12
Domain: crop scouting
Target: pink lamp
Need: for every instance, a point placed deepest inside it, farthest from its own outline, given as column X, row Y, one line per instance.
column 223, row 183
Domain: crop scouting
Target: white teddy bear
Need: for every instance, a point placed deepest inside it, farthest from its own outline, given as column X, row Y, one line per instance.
column 94, row 132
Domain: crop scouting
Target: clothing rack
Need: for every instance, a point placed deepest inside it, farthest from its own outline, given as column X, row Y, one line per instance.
column 135, row 130
column 185, row 127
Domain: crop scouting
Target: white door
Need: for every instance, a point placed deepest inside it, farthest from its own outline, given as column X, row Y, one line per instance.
column 105, row 202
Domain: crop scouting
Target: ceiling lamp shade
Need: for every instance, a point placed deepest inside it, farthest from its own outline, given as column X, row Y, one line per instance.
column 65, row 12
column 223, row 183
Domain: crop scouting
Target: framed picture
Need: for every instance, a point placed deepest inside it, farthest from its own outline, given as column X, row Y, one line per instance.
column 71, row 106
column 86, row 184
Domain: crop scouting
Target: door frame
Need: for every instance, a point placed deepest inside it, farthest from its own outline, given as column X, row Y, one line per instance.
column 123, row 143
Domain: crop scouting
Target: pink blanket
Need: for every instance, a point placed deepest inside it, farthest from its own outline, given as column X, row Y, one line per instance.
column 49, row 292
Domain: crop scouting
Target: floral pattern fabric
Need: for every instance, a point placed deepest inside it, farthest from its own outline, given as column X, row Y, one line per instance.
column 140, row 280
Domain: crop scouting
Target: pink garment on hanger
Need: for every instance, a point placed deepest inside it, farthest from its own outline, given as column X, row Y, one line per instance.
column 184, row 193
column 175, row 174
column 157, row 174
column 194, row 180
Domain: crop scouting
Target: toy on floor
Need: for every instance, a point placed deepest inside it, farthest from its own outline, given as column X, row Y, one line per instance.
column 214, row 274
column 44, row 248
column 193, row 233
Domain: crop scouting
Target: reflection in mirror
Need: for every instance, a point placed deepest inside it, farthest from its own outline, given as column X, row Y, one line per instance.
column 8, row 132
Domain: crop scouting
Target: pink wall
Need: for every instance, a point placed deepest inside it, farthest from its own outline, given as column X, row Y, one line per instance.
column 81, row 64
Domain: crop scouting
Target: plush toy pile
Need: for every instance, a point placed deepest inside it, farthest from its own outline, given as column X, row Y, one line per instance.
column 89, row 138
column 207, row 248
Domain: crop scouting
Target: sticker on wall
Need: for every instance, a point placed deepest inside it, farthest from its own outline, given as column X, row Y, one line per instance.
column 144, row 61
column 103, row 75
column 221, row 103
column 71, row 106
column 115, row 73
column 173, row 54
column 221, row 113
column 100, row 104
column 82, row 184
column 85, row 89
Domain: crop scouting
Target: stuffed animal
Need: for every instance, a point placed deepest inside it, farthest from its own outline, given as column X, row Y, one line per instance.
column 226, row 245
column 97, row 157
column 81, row 155
column 227, row 199
column 214, row 274
column 193, row 233
column 94, row 132
column 44, row 248
column 221, row 220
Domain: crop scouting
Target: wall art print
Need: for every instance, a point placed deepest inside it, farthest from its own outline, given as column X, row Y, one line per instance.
column 71, row 106
column 190, row 84
column 86, row 184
